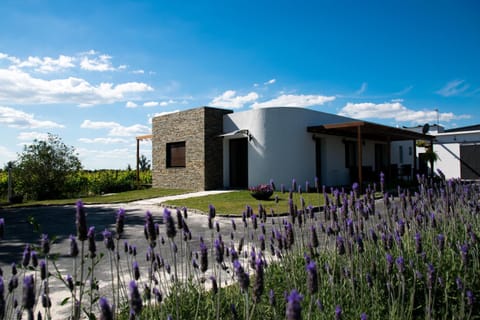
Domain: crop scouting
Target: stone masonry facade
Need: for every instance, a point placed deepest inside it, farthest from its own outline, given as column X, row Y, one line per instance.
column 199, row 128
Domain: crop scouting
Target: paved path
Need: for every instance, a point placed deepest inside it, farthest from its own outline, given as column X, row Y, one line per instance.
column 59, row 222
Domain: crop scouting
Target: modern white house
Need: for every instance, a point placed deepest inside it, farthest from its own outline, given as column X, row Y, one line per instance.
column 458, row 150
column 210, row 148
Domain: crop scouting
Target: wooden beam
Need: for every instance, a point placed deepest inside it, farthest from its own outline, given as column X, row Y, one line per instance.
column 344, row 125
column 144, row 137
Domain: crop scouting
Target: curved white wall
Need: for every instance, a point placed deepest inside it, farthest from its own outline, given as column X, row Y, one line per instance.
column 282, row 149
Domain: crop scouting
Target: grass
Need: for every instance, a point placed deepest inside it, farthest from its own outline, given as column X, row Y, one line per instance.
column 120, row 197
column 234, row 203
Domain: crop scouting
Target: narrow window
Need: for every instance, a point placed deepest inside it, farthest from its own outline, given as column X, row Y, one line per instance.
column 409, row 151
column 176, row 155
column 400, row 154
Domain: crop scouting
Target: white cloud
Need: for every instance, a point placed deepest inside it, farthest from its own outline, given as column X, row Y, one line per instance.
column 17, row 86
column 47, row 64
column 229, row 99
column 103, row 140
column 131, row 104
column 396, row 111
column 362, row 89
column 269, row 82
column 290, row 100
column 116, row 129
column 32, row 135
column 19, row 119
column 150, row 104
column 100, row 63
column 453, row 88
column 139, row 71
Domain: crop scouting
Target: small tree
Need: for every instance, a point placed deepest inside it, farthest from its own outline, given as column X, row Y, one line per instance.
column 144, row 163
column 42, row 169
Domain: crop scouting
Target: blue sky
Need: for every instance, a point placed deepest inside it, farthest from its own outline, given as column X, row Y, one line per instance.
column 96, row 72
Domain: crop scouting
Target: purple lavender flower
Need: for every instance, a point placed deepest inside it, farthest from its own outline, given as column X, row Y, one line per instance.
column 400, row 264
column 430, row 276
column 108, row 240
column 294, row 308
column 28, row 298
column 81, row 222
column 105, row 309
column 136, row 303
column 338, row 312
column 340, row 245
column 69, row 281
column 363, row 316
column 289, row 235
column 73, row 246
column 242, row 276
column 136, row 270
column 26, row 256
column 219, row 250
column 314, row 237
column 464, row 253
column 214, row 285
column 34, row 258
column 312, row 277
column 470, row 298
column 203, row 257
column 271, row 298
column 12, row 284
column 45, row 244
column 259, row 280
column 170, row 224
column 46, row 302
column 120, row 222
column 389, row 260
column 91, row 242
column 158, row 295
column 418, row 243
column 149, row 228
column 2, row 228
column 43, row 269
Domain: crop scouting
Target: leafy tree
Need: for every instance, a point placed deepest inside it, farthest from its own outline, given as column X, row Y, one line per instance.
column 144, row 163
column 43, row 168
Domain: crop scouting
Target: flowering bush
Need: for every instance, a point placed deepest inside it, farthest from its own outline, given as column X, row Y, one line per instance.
column 261, row 191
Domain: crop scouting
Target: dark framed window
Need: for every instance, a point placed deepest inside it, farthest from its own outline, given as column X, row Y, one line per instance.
column 350, row 154
column 176, row 154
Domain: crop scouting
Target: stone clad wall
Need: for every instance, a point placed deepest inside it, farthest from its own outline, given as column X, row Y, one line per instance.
column 199, row 129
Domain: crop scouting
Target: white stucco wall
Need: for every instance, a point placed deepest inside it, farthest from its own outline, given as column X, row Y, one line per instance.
column 282, row 149
column 447, row 146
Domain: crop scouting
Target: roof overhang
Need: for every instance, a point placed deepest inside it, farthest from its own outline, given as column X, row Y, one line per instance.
column 369, row 130
column 237, row 134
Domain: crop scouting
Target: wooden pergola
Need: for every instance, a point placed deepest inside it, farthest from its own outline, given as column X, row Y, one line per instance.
column 140, row 138
column 362, row 130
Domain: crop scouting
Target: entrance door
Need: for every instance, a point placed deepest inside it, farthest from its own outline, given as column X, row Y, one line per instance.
column 318, row 159
column 470, row 164
column 239, row 163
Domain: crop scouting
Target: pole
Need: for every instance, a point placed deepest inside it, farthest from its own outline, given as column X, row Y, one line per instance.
column 138, row 162
column 9, row 183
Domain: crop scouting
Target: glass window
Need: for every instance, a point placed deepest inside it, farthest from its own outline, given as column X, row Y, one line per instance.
column 176, row 154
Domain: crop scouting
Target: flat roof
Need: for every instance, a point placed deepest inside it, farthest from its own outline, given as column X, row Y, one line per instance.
column 369, row 130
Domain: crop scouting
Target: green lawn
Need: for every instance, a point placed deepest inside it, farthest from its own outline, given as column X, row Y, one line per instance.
column 121, row 197
column 234, row 203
